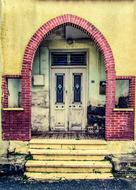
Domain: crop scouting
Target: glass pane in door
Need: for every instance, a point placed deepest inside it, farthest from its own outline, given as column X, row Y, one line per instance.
column 78, row 59
column 59, row 59
column 59, row 88
column 77, row 87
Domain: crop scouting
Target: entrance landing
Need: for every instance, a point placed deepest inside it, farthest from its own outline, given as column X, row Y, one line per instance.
column 66, row 135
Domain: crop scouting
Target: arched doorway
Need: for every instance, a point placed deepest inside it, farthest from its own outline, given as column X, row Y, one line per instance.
column 97, row 38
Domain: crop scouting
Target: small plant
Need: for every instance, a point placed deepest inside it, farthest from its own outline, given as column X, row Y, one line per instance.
column 29, row 157
column 24, row 177
column 18, row 154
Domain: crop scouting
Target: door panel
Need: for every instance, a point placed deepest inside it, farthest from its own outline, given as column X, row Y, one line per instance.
column 77, row 102
column 58, row 100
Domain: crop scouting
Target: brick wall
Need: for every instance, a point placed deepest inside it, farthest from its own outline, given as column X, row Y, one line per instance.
column 17, row 125
column 121, row 127
column 121, row 123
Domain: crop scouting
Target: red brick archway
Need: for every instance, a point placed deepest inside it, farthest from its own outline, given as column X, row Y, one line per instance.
column 119, row 123
column 98, row 39
column 17, row 124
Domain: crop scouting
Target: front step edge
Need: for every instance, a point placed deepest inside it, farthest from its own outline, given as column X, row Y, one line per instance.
column 68, row 176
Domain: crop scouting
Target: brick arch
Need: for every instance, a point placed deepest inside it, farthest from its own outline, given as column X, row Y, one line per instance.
column 35, row 41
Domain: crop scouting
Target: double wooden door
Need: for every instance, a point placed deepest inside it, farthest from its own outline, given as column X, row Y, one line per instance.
column 68, row 90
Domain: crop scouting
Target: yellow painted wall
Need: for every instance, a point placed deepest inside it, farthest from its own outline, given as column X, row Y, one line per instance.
column 21, row 18
column 1, row 68
column 3, row 145
column 115, row 19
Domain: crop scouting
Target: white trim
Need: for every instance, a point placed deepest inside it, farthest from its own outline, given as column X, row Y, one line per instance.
column 123, row 109
column 13, row 109
column 69, row 67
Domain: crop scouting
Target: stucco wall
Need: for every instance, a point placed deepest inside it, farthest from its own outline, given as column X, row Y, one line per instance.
column 1, row 66
column 3, row 145
column 115, row 19
column 40, row 94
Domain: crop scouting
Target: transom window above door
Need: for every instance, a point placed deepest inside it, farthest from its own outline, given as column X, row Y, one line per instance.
column 68, row 58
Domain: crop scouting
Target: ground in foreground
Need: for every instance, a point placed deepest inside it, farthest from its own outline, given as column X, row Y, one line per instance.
column 10, row 183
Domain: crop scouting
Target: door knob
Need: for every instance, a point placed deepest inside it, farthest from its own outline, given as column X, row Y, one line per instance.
column 66, row 91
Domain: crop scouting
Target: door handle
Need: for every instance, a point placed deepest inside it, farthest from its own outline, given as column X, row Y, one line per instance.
column 66, row 91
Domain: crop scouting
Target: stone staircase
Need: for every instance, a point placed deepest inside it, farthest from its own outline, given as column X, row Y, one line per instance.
column 55, row 159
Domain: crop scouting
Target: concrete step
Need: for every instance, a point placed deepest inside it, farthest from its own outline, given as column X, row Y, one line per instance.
column 69, row 166
column 68, row 157
column 67, row 152
column 50, row 154
column 67, row 144
column 68, row 176
column 55, row 159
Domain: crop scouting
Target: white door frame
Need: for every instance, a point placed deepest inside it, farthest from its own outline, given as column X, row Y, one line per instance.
column 65, row 67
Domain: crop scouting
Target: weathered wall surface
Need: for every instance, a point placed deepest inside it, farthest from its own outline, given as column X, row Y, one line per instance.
column 3, row 145
column 40, row 94
column 115, row 19
column 1, row 65
column 40, row 111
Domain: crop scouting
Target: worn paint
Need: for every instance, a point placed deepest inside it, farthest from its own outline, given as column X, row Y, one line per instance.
column 3, row 145
column 115, row 19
